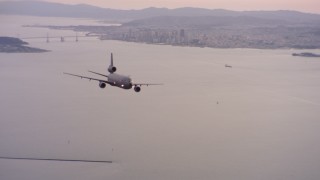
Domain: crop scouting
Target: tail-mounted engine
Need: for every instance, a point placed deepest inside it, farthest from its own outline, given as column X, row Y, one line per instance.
column 112, row 69
column 102, row 85
column 137, row 89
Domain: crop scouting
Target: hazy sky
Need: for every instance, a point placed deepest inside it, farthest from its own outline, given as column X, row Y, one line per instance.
column 300, row 5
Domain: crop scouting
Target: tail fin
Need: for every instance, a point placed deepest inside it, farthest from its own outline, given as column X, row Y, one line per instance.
column 111, row 63
column 111, row 68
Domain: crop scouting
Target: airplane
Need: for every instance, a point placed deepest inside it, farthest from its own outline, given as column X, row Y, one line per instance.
column 117, row 80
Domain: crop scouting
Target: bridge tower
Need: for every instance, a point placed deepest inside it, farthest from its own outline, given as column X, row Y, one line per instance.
column 48, row 38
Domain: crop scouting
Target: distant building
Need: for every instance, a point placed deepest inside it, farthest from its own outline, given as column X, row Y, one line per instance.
column 182, row 33
column 182, row 36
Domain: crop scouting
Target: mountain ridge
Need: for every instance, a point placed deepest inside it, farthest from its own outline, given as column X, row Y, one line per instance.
column 49, row 9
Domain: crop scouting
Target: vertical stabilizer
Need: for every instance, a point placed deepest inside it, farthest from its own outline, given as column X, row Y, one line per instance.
column 111, row 68
column 111, row 63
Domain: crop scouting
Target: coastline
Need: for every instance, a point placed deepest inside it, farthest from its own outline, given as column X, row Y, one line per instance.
column 190, row 38
column 16, row 45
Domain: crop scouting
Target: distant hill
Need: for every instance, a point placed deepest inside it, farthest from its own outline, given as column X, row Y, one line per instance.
column 37, row 8
column 11, row 41
column 202, row 22
column 15, row 45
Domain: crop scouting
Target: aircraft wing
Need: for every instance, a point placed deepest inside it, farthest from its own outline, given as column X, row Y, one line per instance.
column 145, row 84
column 49, row 159
column 98, row 74
column 90, row 78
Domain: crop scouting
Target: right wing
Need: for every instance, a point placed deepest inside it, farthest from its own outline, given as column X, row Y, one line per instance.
column 90, row 78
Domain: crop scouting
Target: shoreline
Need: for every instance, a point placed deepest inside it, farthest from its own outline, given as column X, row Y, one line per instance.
column 16, row 45
column 174, row 38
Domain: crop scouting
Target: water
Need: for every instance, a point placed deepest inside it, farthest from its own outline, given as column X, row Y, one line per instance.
column 256, row 120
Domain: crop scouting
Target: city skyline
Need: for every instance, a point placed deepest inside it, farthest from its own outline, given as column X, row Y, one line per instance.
column 311, row 6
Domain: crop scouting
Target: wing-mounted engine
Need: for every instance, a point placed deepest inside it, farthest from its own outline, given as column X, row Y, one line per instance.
column 102, row 85
column 112, row 68
column 137, row 88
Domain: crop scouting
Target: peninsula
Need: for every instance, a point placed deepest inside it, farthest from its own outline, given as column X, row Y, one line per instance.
column 16, row 45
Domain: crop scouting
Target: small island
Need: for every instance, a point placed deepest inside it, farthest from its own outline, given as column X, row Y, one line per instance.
column 16, row 45
column 306, row 54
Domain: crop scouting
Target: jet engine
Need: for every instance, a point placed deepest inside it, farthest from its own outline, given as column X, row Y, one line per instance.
column 112, row 69
column 102, row 85
column 137, row 89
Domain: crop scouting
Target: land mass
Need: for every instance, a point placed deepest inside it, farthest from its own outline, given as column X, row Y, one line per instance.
column 210, row 31
column 306, row 54
column 49, row 9
column 15, row 45
column 196, row 27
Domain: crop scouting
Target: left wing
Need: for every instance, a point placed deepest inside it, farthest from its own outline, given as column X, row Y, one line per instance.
column 50, row 159
column 98, row 74
column 90, row 78
column 145, row 84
